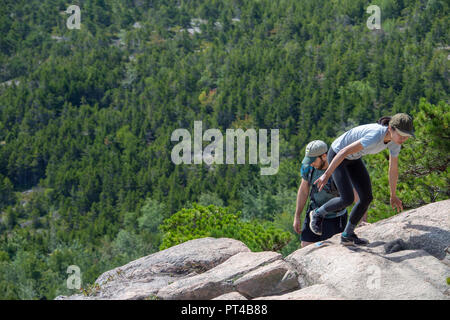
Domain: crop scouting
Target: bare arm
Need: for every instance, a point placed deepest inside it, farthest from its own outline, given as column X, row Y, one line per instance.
column 393, row 175
column 302, row 197
column 337, row 160
column 396, row 203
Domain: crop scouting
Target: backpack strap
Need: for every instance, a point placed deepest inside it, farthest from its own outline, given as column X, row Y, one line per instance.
column 334, row 190
column 312, row 204
column 310, row 175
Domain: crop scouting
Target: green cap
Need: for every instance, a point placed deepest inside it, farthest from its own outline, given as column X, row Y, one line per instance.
column 313, row 150
column 403, row 124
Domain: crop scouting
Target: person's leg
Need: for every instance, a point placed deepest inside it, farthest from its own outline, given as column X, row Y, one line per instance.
column 333, row 226
column 364, row 218
column 361, row 182
column 307, row 237
column 344, row 185
column 343, row 222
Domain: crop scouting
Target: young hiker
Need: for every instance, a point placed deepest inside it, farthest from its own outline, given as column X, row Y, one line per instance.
column 349, row 172
column 313, row 166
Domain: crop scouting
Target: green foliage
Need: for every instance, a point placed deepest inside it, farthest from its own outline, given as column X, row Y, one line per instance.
column 128, row 244
column 284, row 221
column 212, row 221
column 207, row 199
column 152, row 215
column 86, row 118
column 4, row 257
column 425, row 163
column 90, row 290
column 7, row 196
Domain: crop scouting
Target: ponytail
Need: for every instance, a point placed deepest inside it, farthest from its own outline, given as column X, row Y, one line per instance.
column 384, row 121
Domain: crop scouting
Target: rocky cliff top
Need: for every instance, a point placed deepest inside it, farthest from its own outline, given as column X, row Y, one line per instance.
column 408, row 258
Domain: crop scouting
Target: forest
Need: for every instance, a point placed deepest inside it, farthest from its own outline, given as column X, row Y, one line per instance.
column 86, row 118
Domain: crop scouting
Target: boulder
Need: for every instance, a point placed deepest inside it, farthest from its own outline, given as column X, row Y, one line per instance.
column 231, row 296
column 196, row 255
column 275, row 278
column 426, row 228
column 218, row 280
column 142, row 278
column 405, row 259
column 314, row 292
column 362, row 273
column 408, row 257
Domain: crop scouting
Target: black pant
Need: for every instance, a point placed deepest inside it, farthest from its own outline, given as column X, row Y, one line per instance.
column 330, row 228
column 348, row 175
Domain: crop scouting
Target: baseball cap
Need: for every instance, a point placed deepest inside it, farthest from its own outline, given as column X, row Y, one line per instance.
column 313, row 150
column 403, row 124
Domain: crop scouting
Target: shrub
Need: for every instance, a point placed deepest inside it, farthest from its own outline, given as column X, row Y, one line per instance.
column 217, row 222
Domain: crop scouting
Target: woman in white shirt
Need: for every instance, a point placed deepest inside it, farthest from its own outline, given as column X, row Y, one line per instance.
column 349, row 171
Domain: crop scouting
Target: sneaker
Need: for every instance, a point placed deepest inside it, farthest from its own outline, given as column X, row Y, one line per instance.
column 353, row 239
column 315, row 222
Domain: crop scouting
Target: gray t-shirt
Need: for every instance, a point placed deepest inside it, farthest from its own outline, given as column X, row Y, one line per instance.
column 371, row 137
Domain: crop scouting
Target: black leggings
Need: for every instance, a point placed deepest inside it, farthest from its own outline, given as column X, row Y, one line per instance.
column 348, row 175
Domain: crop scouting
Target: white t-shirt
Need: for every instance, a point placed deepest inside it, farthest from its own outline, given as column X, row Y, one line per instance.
column 371, row 137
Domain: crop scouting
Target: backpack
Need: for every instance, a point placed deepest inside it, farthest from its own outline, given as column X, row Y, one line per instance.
column 330, row 187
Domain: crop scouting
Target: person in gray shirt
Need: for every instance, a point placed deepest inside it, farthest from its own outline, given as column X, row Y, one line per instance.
column 348, row 170
column 313, row 166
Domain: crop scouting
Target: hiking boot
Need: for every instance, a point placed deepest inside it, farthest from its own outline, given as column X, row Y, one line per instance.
column 315, row 222
column 352, row 239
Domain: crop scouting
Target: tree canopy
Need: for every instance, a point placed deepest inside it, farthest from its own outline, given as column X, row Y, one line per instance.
column 86, row 116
